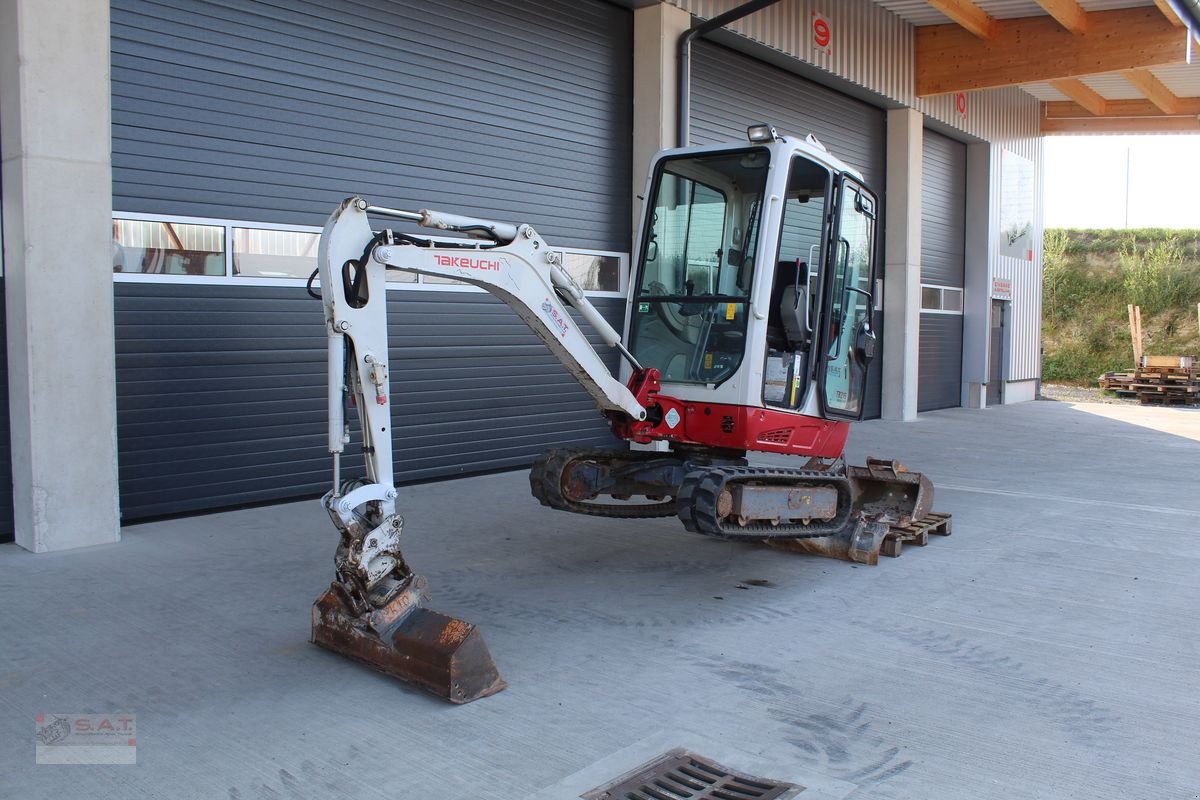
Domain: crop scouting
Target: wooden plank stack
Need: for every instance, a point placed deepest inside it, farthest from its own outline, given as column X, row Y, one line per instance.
column 1167, row 381
column 1119, row 382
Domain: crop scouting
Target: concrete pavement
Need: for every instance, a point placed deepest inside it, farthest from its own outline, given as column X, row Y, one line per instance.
column 1047, row 649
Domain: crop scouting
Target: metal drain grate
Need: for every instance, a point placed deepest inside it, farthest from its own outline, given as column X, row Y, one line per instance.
column 680, row 775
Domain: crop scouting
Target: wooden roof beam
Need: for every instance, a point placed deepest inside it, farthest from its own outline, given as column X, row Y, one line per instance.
column 968, row 15
column 1082, row 94
column 1034, row 49
column 1065, row 109
column 1153, row 90
column 1169, row 13
column 1067, row 13
column 1160, row 124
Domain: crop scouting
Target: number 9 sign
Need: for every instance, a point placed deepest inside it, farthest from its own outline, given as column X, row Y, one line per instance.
column 822, row 32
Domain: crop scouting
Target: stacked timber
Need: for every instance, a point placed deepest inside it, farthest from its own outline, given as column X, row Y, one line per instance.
column 1119, row 382
column 1167, row 380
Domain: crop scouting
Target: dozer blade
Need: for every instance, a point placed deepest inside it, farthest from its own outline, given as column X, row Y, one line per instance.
column 440, row 654
column 859, row 542
column 884, row 497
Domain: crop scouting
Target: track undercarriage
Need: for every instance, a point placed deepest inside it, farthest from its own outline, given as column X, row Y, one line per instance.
column 825, row 507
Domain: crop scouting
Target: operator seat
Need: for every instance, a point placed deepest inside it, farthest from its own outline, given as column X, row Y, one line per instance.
column 786, row 322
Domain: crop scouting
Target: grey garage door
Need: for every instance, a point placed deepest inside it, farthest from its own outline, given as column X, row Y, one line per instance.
column 943, row 226
column 274, row 111
column 731, row 91
column 6, row 508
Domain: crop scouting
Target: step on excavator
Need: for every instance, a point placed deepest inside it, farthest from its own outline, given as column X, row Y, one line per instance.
column 748, row 332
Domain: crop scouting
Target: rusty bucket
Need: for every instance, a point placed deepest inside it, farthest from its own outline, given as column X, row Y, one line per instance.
column 440, row 654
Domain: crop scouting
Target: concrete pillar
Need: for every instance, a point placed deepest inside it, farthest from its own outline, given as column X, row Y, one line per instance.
column 977, row 286
column 902, row 263
column 55, row 154
column 656, row 32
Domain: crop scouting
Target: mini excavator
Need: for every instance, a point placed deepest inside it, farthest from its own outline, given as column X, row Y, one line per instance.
column 748, row 331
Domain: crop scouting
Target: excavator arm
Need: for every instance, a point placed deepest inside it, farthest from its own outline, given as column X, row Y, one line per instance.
column 373, row 611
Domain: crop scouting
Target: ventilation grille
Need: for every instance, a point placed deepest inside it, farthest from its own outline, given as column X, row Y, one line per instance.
column 680, row 775
column 777, row 436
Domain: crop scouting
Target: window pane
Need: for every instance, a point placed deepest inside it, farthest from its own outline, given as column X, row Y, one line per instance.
column 274, row 254
column 594, row 273
column 697, row 265
column 440, row 279
column 849, row 309
column 396, row 276
column 952, row 299
column 168, row 248
column 931, row 298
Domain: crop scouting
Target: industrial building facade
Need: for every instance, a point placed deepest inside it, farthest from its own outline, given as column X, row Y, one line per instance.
column 229, row 129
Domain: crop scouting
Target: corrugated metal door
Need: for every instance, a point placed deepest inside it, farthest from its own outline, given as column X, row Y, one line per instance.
column 730, row 91
column 6, row 504
column 274, row 112
column 943, row 231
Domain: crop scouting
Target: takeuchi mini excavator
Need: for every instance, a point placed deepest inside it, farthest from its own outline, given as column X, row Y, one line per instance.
column 748, row 331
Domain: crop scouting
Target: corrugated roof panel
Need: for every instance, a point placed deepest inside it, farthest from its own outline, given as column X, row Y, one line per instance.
column 1109, row 5
column 1182, row 79
column 915, row 12
column 1044, row 92
column 1112, row 87
column 919, row 12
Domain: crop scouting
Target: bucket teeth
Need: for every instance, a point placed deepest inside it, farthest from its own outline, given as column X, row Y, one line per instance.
column 435, row 652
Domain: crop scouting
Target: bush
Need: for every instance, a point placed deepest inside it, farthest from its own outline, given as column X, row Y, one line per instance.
column 1155, row 278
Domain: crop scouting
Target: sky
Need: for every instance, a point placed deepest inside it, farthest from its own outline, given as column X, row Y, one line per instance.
column 1122, row 181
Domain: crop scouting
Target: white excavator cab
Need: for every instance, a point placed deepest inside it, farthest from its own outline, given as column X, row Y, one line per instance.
column 754, row 278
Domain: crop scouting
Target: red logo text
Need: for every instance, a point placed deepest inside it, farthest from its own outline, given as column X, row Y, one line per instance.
column 466, row 262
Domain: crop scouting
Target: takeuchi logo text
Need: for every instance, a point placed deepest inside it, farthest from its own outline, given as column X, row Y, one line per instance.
column 466, row 262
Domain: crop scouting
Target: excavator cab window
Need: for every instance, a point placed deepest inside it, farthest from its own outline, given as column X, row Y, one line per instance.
column 792, row 309
column 691, row 306
column 848, row 343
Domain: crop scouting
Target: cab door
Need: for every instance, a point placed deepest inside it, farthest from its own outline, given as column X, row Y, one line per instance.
column 848, row 343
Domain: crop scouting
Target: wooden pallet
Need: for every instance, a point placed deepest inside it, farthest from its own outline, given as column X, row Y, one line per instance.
column 1167, row 399
column 915, row 534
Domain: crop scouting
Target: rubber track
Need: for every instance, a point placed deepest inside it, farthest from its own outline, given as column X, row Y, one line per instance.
column 545, row 482
column 701, row 489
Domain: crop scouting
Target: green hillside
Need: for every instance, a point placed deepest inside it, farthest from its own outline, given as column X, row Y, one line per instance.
column 1090, row 278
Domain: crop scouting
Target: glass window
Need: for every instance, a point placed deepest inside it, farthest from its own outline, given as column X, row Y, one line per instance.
column 849, row 302
column 941, row 298
column 262, row 253
column 697, row 265
column 595, row 273
column 168, row 248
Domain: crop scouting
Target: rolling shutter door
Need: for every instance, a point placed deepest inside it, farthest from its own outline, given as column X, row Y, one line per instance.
column 6, row 501
column 943, row 228
column 273, row 112
column 731, row 91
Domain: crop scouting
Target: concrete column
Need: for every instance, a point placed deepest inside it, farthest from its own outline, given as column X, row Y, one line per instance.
column 977, row 288
column 902, row 263
column 55, row 154
column 656, row 32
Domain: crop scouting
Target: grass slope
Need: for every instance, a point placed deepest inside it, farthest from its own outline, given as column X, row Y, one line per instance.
column 1092, row 275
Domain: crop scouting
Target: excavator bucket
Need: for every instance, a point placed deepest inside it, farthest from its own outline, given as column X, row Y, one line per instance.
column 885, row 496
column 886, row 491
column 440, row 654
